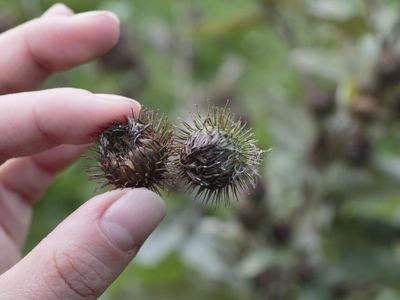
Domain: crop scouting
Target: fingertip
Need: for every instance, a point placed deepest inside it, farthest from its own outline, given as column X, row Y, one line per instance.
column 113, row 98
column 103, row 25
column 155, row 204
column 113, row 16
column 98, row 14
column 132, row 218
column 58, row 9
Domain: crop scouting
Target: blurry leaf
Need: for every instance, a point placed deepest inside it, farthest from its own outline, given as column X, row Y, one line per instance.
column 223, row 28
column 205, row 252
column 390, row 165
column 354, row 27
column 339, row 10
column 289, row 124
column 285, row 196
column 384, row 19
column 259, row 259
column 170, row 236
column 380, row 206
column 347, row 91
column 388, row 294
column 346, row 22
column 122, row 9
column 321, row 64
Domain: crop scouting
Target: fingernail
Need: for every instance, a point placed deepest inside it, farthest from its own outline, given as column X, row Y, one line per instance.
column 130, row 220
column 97, row 13
column 111, row 97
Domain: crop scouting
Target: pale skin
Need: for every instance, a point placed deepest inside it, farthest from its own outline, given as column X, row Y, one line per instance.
column 42, row 132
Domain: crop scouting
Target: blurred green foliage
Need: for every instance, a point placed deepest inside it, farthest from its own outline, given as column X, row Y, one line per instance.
column 318, row 81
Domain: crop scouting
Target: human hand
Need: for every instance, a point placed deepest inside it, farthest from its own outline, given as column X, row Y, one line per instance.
column 42, row 132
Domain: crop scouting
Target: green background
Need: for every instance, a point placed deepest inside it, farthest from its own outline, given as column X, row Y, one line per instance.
column 310, row 231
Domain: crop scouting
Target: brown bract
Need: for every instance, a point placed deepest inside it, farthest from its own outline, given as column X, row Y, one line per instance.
column 217, row 156
column 134, row 153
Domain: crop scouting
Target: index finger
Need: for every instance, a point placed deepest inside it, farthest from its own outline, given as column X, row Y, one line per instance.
column 35, row 121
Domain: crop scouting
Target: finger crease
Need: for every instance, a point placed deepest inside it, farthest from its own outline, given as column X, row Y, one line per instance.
column 25, row 196
column 98, row 261
column 43, row 168
column 90, row 291
column 4, row 157
column 66, row 281
column 43, row 132
column 7, row 234
column 41, row 67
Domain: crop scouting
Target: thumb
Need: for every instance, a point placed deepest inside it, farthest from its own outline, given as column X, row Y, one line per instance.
column 88, row 250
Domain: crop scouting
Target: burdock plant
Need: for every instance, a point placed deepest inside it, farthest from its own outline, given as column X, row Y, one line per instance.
column 217, row 156
column 134, row 153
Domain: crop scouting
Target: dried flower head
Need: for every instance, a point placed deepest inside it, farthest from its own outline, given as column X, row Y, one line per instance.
column 134, row 153
column 217, row 156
